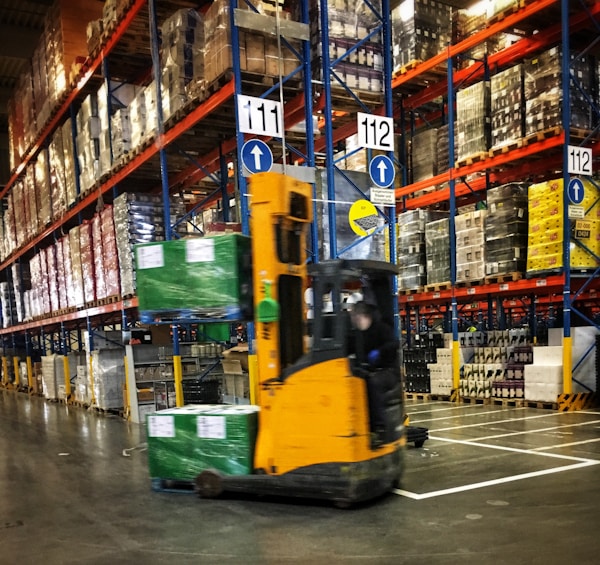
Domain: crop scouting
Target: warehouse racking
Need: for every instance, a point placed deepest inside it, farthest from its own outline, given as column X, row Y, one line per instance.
column 192, row 148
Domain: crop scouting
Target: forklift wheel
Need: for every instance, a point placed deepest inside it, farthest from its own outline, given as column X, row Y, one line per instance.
column 209, row 484
column 419, row 443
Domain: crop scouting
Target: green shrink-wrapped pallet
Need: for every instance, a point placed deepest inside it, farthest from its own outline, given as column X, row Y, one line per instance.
column 183, row 442
column 196, row 278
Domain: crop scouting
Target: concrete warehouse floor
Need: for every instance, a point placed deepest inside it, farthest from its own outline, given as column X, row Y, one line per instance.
column 492, row 485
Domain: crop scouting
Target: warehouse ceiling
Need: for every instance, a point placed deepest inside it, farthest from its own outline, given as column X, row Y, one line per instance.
column 21, row 24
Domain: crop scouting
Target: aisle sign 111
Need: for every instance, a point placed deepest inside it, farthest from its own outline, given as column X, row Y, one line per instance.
column 580, row 161
column 259, row 116
column 375, row 132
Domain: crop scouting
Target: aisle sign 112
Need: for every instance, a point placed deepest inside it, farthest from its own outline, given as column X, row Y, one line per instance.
column 259, row 116
column 580, row 160
column 375, row 132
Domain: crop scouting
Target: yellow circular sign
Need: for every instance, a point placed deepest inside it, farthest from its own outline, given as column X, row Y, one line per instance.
column 363, row 217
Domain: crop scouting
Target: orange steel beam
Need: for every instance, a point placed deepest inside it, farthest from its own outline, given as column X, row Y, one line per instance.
column 86, row 72
column 74, row 316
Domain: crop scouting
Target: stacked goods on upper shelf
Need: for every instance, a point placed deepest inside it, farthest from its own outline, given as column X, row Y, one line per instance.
column 470, row 246
column 88, row 142
column 495, row 7
column 258, row 53
column 423, row 148
column 113, row 99
column 473, row 120
column 546, row 229
column 442, row 155
column 349, row 231
column 420, row 30
column 544, row 94
column 182, row 57
column 197, row 278
column 437, row 250
column 8, row 305
column 508, row 107
column 506, row 229
column 349, row 21
column 138, row 218
column 468, row 22
column 411, row 247
column 40, row 90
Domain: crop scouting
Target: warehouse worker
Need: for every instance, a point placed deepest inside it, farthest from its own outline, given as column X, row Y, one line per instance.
column 375, row 348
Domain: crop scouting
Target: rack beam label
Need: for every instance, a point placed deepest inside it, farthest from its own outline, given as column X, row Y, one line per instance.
column 580, row 161
column 259, row 116
column 375, row 132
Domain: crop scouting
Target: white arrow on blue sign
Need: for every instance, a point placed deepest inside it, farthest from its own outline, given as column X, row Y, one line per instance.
column 575, row 191
column 381, row 171
column 257, row 156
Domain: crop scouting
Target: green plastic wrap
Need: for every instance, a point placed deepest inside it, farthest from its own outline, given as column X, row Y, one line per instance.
column 183, row 442
column 201, row 278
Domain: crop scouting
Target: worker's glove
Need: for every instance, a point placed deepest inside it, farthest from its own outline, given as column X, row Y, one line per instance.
column 373, row 357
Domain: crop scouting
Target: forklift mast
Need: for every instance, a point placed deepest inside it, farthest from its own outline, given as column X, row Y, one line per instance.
column 281, row 211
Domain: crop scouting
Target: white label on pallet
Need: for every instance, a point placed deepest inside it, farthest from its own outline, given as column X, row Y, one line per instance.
column 161, row 426
column 150, row 257
column 200, row 250
column 504, row 286
column 211, row 427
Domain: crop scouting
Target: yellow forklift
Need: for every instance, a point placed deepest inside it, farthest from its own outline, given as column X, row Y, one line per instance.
column 314, row 435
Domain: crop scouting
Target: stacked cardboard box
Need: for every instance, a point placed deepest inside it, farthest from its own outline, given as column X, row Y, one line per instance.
column 544, row 95
column 416, row 361
column 412, row 258
column 544, row 378
column 506, row 229
column 470, row 246
column 423, row 149
column 7, row 303
column 437, row 251
column 258, row 53
column 88, row 142
column 183, row 442
column 473, row 120
column 546, row 227
column 508, row 107
column 206, row 277
column 349, row 20
column 420, row 30
column 39, row 90
column 182, row 57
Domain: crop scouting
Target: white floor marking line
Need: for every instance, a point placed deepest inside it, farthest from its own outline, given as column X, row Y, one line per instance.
column 509, row 434
column 476, row 443
column 559, row 445
column 460, row 407
column 455, row 490
column 551, row 414
column 467, row 415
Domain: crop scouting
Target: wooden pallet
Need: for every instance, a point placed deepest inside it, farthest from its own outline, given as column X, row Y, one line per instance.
column 507, row 402
column 473, row 400
column 580, row 134
column 506, row 148
column 469, row 284
column 472, row 159
column 540, row 404
column 542, row 135
column 410, row 291
column 417, row 396
column 508, row 277
column 437, row 287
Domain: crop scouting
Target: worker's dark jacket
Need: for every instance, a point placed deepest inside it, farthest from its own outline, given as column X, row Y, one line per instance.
column 379, row 336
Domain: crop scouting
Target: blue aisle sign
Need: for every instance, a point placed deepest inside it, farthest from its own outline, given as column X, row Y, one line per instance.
column 575, row 191
column 257, row 156
column 381, row 170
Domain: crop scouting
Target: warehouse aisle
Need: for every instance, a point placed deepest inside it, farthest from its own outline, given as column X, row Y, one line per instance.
column 69, row 494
